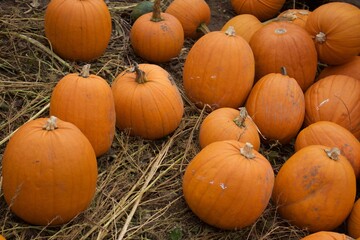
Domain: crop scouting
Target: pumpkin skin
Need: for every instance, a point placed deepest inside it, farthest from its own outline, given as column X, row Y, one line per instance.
column 49, row 176
column 335, row 28
column 86, row 100
column 315, row 191
column 287, row 45
column 326, row 235
column 147, row 102
column 333, row 135
column 351, row 69
column 263, row 10
column 229, row 123
column 295, row 16
column 277, row 123
column 353, row 222
column 334, row 98
column 78, row 30
column 2, row 237
column 157, row 37
column 226, row 75
column 225, row 188
column 194, row 16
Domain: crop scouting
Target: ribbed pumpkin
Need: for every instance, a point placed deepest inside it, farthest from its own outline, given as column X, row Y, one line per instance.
column 333, row 135
column 353, row 222
column 315, row 188
column 147, row 101
column 335, row 28
column 326, row 235
column 86, row 100
column 245, row 25
column 351, row 69
column 276, row 104
column 49, row 172
column 157, row 37
column 228, row 184
column 226, row 124
column 219, row 70
column 262, row 9
column 78, row 30
column 287, row 45
column 194, row 16
column 295, row 16
column 334, row 98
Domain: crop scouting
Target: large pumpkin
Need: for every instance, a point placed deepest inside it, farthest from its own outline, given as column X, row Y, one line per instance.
column 335, row 28
column 86, row 100
column 219, row 70
column 287, row 45
column 78, row 30
column 262, row 9
column 315, row 188
column 327, row 235
column 147, row 101
column 353, row 222
column 334, row 98
column 350, row 68
column 228, row 184
column 49, row 172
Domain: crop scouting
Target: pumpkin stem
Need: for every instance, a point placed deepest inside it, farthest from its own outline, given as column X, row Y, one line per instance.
column 140, row 74
column 247, row 150
column 280, row 31
column 203, row 28
column 50, row 124
column 85, row 71
column 156, row 14
column 283, row 71
column 320, row 37
column 333, row 153
column 240, row 119
column 230, row 31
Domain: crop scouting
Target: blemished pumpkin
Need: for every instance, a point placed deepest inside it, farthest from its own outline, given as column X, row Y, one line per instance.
column 228, row 184
column 277, row 106
column 335, row 29
column 287, row 45
column 350, row 68
column 219, row 70
column 334, row 98
column 86, row 100
column 226, row 124
column 333, row 135
column 327, row 235
column 157, row 37
column 315, row 188
column 78, row 30
column 49, row 171
column 262, row 9
column 295, row 16
column 147, row 101
column 194, row 15
column 353, row 222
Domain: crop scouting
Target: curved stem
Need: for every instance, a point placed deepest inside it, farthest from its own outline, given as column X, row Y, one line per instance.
column 140, row 74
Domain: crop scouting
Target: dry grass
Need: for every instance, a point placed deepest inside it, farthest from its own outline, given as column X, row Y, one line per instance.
column 139, row 186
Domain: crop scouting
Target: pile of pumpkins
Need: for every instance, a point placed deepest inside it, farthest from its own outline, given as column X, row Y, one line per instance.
column 259, row 81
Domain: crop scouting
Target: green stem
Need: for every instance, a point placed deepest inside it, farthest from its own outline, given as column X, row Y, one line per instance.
column 203, row 28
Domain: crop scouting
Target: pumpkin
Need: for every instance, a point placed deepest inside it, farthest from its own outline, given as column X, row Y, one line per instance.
column 157, row 37
column 229, row 123
column 295, row 16
column 140, row 9
column 326, row 235
column 287, row 45
column 277, row 106
column 219, row 70
column 194, row 16
column 2, row 237
column 86, row 100
column 147, row 102
column 331, row 134
column 262, row 9
column 78, row 30
column 49, row 172
column 334, row 98
column 351, row 69
column 228, row 184
column 335, row 28
column 315, row 188
column 353, row 222
column 245, row 25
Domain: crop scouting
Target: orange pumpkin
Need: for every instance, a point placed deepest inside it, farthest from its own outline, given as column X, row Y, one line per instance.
column 287, row 45
column 226, row 124
column 333, row 135
column 334, row 98
column 335, row 28
column 49, row 172
column 157, row 37
column 295, row 16
column 326, row 235
column 2, row 237
column 194, row 16
column 78, row 30
column 315, row 188
column 86, row 100
column 351, row 69
column 147, row 101
column 228, row 184
column 219, row 70
column 262, row 9
column 353, row 222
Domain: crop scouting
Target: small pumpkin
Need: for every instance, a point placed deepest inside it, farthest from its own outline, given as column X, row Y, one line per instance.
column 295, row 16
column 315, row 188
column 228, row 184
column 353, row 222
column 49, row 172
column 245, row 25
column 262, row 9
column 327, row 235
column 351, row 69
column 78, row 30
